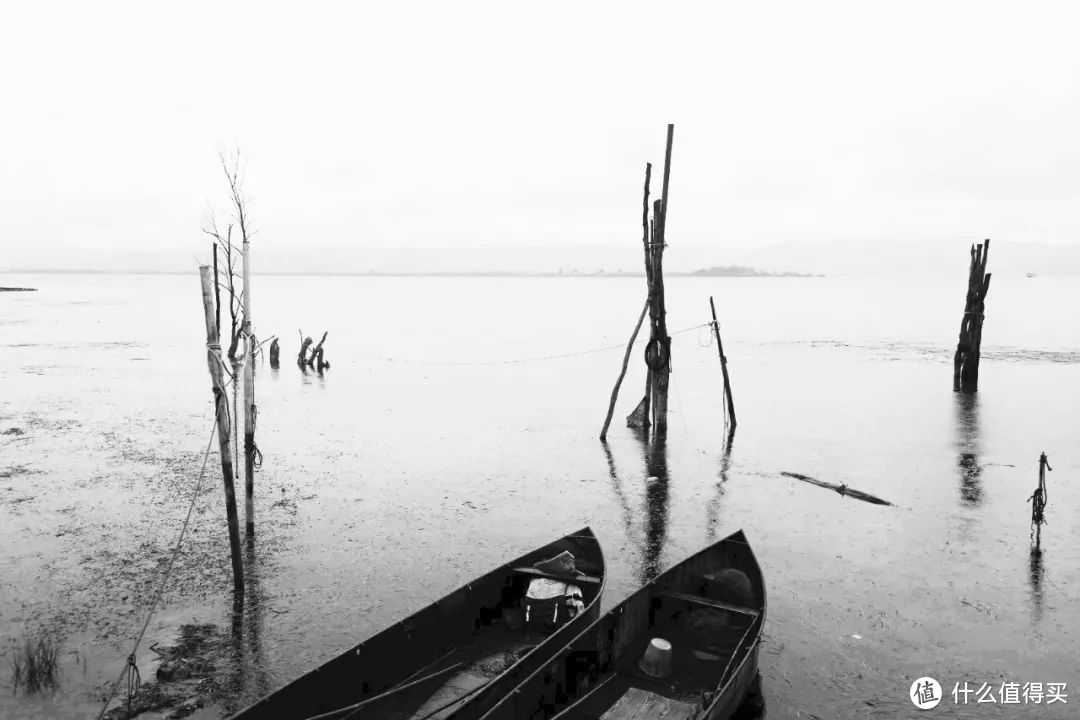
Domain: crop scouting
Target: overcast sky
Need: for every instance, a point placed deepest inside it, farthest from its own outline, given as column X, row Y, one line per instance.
column 393, row 124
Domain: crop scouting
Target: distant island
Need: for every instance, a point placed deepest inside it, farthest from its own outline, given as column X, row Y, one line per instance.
column 740, row 271
column 8, row 289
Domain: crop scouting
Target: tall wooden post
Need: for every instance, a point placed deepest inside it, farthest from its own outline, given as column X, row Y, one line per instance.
column 214, row 362
column 966, row 360
column 249, row 398
column 723, row 367
column 658, row 353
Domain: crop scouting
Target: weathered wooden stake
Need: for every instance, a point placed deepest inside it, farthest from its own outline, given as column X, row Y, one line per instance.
column 275, row 353
column 301, row 359
column 249, row 399
column 622, row 373
column 723, row 367
column 1038, row 500
column 966, row 360
column 217, row 290
column 215, row 362
column 660, row 342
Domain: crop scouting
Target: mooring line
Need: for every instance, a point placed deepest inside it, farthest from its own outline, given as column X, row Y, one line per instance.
column 131, row 670
column 516, row 361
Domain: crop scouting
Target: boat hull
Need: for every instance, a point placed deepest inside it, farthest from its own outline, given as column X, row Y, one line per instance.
column 598, row 667
column 395, row 667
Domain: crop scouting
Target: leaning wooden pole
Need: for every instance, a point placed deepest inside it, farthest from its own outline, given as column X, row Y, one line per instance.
column 723, row 366
column 969, row 344
column 249, row 399
column 646, row 240
column 221, row 404
column 622, row 373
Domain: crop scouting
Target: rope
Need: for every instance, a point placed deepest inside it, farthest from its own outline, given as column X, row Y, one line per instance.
column 1039, row 499
column 131, row 670
column 516, row 361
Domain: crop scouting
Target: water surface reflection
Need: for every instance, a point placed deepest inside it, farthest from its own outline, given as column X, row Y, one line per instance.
column 966, row 410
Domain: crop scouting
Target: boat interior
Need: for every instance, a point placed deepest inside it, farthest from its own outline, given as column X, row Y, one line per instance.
column 499, row 637
column 700, row 662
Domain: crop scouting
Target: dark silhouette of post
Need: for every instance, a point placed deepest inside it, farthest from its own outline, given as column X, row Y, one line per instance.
column 215, row 364
column 966, row 360
column 1038, row 501
column 249, row 397
column 658, row 352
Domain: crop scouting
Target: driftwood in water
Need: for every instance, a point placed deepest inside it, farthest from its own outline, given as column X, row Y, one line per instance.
column 723, row 367
column 275, row 353
column 842, row 489
column 966, row 360
column 215, row 364
column 315, row 358
column 622, row 373
column 301, row 359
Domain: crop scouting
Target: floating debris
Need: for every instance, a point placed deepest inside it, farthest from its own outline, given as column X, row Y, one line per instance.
column 842, row 489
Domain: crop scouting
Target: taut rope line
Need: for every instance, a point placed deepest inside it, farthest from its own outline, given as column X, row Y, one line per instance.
column 131, row 670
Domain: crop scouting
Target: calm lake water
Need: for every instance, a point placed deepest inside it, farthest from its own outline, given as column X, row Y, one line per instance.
column 421, row 460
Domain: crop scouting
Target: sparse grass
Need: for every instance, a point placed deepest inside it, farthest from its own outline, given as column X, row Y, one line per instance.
column 35, row 663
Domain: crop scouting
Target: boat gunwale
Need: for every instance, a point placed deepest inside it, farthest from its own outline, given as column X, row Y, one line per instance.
column 585, row 533
column 739, row 538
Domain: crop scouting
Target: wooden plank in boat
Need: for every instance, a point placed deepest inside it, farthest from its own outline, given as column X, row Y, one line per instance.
column 562, row 578
column 448, row 698
column 638, row 704
column 708, row 602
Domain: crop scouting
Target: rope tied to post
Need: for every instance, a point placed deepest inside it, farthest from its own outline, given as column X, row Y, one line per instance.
column 1039, row 498
column 134, row 680
column 658, row 354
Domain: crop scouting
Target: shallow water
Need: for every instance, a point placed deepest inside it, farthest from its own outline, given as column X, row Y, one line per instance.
column 408, row 468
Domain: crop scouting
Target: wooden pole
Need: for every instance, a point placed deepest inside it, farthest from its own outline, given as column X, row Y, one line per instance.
column 969, row 344
column 622, row 373
column 214, row 362
column 217, row 290
column 723, row 366
column 1038, row 500
column 646, row 240
column 660, row 318
column 249, row 399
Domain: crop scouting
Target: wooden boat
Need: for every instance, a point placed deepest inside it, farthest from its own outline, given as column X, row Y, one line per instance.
column 710, row 609
column 454, row 658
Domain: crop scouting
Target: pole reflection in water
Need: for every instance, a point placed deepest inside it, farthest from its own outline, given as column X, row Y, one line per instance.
column 967, row 445
column 1035, row 571
column 656, row 505
column 712, row 512
column 247, row 679
column 616, row 485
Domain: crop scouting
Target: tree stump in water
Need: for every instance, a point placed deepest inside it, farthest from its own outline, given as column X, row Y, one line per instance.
column 275, row 353
column 301, row 359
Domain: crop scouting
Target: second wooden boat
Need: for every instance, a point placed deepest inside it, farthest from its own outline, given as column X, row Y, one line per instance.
column 458, row 656
column 683, row 647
